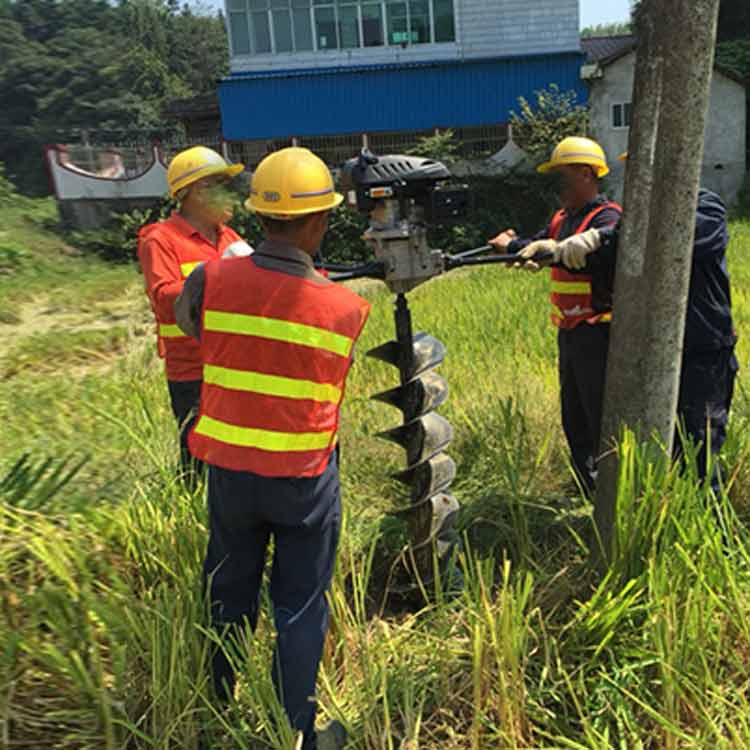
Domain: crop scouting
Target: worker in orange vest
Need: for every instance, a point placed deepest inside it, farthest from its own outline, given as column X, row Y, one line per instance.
column 168, row 251
column 276, row 341
column 581, row 303
column 709, row 365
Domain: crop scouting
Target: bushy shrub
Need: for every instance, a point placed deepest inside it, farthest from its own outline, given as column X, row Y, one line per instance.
column 734, row 56
column 441, row 146
column 118, row 241
column 7, row 188
column 519, row 200
column 552, row 116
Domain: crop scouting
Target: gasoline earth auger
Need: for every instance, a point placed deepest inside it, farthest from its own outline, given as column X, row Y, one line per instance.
column 403, row 195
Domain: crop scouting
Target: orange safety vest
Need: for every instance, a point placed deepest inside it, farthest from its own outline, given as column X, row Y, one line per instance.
column 184, row 251
column 571, row 292
column 276, row 352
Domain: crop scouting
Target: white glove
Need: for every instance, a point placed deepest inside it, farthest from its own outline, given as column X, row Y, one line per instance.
column 540, row 246
column 572, row 252
column 237, row 249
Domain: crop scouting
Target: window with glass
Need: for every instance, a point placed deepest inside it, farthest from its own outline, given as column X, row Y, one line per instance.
column 372, row 25
column 621, row 115
column 283, row 26
column 238, row 27
column 348, row 26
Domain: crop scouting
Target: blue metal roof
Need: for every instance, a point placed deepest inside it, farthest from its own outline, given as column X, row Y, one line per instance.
column 380, row 98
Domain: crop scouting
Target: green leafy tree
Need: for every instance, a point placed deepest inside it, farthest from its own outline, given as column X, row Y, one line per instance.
column 734, row 20
column 146, row 23
column 735, row 57
column 607, row 29
column 73, row 65
column 199, row 51
column 441, row 146
column 553, row 115
column 24, row 69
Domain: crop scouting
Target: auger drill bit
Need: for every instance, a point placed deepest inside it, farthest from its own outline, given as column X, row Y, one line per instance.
column 423, row 435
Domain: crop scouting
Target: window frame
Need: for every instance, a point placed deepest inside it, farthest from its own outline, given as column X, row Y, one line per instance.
column 626, row 115
column 290, row 8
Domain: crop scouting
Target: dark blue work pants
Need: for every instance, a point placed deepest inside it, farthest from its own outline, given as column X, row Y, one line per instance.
column 304, row 518
column 582, row 366
column 185, row 396
column 706, row 390
column 705, row 397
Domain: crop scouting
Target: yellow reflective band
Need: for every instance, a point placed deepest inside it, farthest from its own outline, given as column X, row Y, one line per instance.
column 187, row 268
column 571, row 287
column 172, row 331
column 606, row 318
column 267, row 440
column 270, row 385
column 278, row 330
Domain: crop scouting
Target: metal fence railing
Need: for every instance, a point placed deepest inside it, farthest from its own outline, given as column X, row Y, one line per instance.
column 122, row 161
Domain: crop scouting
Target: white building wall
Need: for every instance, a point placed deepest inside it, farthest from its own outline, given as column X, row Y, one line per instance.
column 725, row 149
column 484, row 28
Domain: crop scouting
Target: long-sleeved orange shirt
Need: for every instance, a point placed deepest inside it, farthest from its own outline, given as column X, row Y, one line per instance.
column 168, row 251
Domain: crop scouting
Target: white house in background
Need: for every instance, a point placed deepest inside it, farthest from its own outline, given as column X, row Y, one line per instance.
column 609, row 73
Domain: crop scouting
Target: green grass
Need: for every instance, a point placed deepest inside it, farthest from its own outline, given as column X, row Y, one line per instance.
column 103, row 627
column 37, row 267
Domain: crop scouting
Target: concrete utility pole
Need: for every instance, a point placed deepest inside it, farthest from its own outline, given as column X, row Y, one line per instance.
column 671, row 96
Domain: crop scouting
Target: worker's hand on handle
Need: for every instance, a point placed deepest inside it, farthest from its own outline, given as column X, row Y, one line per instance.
column 574, row 250
column 503, row 239
column 528, row 257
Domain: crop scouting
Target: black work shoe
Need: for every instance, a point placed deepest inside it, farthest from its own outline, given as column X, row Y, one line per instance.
column 332, row 736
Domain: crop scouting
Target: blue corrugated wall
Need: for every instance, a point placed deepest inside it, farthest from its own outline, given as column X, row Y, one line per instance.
column 388, row 98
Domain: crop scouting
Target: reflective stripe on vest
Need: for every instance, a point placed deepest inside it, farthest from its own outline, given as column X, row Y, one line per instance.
column 171, row 331
column 276, row 350
column 571, row 293
column 267, row 440
column 180, row 350
column 279, row 330
column 270, row 385
column 571, row 287
column 187, row 268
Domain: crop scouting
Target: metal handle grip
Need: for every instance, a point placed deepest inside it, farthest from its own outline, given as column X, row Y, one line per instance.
column 458, row 261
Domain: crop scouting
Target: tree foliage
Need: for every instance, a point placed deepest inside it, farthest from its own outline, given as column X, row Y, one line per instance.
column 442, row 146
column 607, row 29
column 734, row 56
column 69, row 65
column 734, row 19
column 551, row 117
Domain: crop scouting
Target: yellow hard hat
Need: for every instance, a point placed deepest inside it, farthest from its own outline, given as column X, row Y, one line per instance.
column 574, row 150
column 292, row 182
column 623, row 156
column 194, row 164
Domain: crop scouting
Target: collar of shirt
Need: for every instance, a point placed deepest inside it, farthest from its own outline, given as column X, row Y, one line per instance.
column 588, row 208
column 284, row 251
column 183, row 225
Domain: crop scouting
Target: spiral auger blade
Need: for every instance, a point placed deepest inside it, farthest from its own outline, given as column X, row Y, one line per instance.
column 423, row 435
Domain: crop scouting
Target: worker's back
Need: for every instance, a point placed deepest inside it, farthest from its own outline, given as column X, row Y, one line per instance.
column 276, row 350
column 709, row 315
